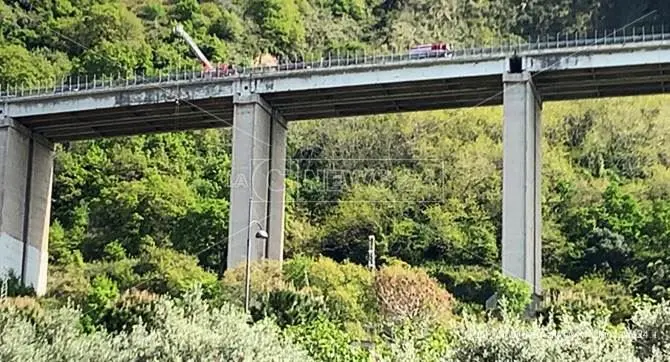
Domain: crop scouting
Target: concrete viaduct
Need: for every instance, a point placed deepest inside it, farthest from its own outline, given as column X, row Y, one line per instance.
column 260, row 102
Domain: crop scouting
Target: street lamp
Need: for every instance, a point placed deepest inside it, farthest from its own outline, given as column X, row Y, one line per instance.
column 371, row 252
column 260, row 234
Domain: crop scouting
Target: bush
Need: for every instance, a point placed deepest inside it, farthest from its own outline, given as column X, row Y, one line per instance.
column 514, row 340
column 413, row 341
column 121, row 272
column 134, row 307
column 68, row 282
column 327, row 341
column 166, row 271
column 26, row 306
column 567, row 302
column 346, row 287
column 406, row 293
column 15, row 287
column 289, row 307
column 101, row 296
column 194, row 331
column 515, row 292
column 266, row 276
column 650, row 329
column 468, row 283
column 592, row 295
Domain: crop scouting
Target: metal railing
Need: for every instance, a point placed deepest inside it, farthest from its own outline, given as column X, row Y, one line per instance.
column 80, row 83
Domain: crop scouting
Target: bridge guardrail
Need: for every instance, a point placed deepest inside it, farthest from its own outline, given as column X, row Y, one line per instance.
column 75, row 84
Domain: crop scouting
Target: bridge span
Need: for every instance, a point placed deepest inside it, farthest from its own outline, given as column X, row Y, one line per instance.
column 258, row 102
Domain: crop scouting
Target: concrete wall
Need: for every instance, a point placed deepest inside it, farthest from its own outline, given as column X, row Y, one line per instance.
column 25, row 204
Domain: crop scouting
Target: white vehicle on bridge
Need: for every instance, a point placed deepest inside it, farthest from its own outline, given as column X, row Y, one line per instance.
column 432, row 50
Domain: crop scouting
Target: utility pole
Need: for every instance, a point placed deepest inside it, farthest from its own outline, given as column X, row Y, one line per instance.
column 371, row 252
column 222, row 256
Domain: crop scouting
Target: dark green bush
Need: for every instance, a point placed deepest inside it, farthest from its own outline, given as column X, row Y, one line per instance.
column 133, row 308
column 468, row 283
column 288, row 307
column 100, row 298
column 345, row 287
column 326, row 341
column 14, row 286
column 165, row 271
column 516, row 293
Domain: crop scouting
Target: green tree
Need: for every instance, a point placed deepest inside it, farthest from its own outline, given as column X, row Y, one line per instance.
column 280, row 23
column 203, row 231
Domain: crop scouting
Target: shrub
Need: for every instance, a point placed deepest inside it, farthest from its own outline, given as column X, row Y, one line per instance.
column 122, row 272
column 133, row 308
column 345, row 287
column 26, row 306
column 409, row 293
column 650, row 329
column 616, row 296
column 166, row 271
column 101, row 296
column 114, row 251
column 296, row 271
column 468, row 283
column 68, row 282
column 327, row 341
column 592, row 295
column 514, row 340
column 558, row 303
column 266, row 276
column 194, row 331
column 289, row 307
column 515, row 292
column 413, row 341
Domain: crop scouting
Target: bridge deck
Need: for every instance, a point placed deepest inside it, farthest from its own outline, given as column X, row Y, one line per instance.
column 392, row 84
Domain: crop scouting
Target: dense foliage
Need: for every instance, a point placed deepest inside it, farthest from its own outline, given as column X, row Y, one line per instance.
column 181, row 328
column 190, row 326
column 141, row 216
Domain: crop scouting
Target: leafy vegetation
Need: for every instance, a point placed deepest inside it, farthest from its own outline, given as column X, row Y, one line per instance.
column 139, row 222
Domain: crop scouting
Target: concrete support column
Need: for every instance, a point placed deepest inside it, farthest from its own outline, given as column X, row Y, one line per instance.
column 522, row 219
column 26, row 169
column 257, row 180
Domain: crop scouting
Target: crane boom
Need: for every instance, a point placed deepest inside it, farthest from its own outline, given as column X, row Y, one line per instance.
column 179, row 29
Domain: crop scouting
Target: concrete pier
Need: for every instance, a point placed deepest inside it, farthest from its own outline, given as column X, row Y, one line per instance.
column 522, row 219
column 257, row 180
column 26, row 168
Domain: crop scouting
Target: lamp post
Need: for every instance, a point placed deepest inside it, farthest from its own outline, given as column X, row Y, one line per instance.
column 260, row 234
column 371, row 252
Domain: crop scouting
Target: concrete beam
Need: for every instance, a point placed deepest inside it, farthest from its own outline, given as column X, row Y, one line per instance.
column 631, row 56
column 522, row 220
column 257, row 181
column 26, row 168
column 147, row 95
column 418, row 71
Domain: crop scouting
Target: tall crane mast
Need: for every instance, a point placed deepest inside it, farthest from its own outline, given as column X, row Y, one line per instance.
column 179, row 29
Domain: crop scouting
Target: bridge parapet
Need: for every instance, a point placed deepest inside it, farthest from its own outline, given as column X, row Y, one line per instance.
column 558, row 45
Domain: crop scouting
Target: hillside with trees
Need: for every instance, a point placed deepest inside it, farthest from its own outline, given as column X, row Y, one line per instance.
column 139, row 222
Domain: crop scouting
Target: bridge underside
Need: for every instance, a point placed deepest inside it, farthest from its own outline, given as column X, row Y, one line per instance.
column 603, row 82
column 350, row 101
column 133, row 120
